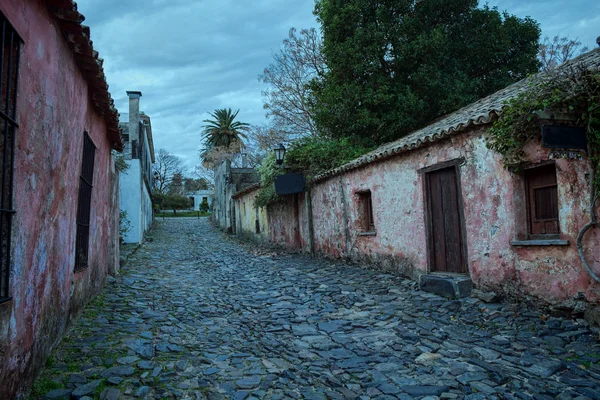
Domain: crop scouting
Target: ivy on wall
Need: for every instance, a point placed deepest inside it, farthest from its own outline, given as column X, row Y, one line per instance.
column 572, row 89
column 311, row 156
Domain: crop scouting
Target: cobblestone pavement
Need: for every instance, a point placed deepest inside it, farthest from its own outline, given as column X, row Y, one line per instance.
column 196, row 314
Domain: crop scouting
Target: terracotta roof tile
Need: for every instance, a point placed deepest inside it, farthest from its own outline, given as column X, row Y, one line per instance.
column 78, row 38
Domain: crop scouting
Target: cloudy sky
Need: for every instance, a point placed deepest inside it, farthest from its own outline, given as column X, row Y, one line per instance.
column 190, row 57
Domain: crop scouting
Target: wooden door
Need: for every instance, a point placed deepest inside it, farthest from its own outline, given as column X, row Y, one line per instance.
column 446, row 246
column 542, row 199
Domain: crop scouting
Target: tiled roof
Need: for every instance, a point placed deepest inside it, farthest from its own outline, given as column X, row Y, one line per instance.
column 247, row 189
column 78, row 38
column 482, row 112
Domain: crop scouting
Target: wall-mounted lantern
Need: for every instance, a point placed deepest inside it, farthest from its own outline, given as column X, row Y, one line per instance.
column 279, row 153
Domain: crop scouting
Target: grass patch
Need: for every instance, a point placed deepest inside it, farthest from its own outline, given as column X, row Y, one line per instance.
column 180, row 214
column 41, row 386
column 100, row 389
column 50, row 361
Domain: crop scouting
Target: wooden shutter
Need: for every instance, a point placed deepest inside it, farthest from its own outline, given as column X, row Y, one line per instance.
column 542, row 201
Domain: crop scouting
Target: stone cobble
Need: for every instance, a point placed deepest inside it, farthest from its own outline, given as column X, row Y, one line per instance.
column 196, row 314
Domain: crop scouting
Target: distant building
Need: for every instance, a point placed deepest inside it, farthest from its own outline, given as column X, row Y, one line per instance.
column 136, row 181
column 59, row 195
column 200, row 196
column 228, row 181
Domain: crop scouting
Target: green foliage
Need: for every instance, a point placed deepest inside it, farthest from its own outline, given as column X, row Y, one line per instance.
column 575, row 91
column 176, row 202
column 204, row 207
column 124, row 224
column 223, row 131
column 183, row 214
column 315, row 155
column 268, row 170
column 120, row 164
column 311, row 156
column 41, row 386
column 393, row 66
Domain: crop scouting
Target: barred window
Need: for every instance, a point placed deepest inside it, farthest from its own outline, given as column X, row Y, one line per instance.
column 84, row 205
column 9, row 73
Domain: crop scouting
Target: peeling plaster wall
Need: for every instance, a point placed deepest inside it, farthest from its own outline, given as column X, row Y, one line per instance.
column 287, row 220
column 229, row 181
column 53, row 113
column 221, row 209
column 247, row 215
column 494, row 210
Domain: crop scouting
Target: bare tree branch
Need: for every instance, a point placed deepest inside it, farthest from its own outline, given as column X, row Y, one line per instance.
column 294, row 67
column 164, row 168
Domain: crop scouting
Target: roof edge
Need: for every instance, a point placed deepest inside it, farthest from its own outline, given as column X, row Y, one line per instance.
column 89, row 63
column 246, row 190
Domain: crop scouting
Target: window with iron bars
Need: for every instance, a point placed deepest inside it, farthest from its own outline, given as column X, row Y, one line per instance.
column 9, row 73
column 84, row 205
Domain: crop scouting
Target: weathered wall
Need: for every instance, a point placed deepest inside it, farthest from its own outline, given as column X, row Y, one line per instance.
column 53, row 112
column 131, row 200
column 229, row 181
column 287, row 221
column 221, row 208
column 494, row 210
column 248, row 214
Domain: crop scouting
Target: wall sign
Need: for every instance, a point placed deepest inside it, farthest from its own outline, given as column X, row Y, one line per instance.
column 563, row 137
column 290, row 184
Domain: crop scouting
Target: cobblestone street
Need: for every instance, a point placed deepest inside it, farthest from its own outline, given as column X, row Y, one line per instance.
column 196, row 314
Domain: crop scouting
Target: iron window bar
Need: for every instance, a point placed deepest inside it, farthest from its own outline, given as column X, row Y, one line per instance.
column 10, row 53
column 84, row 204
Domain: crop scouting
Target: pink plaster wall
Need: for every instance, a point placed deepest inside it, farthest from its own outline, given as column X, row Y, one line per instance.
column 288, row 223
column 53, row 112
column 494, row 210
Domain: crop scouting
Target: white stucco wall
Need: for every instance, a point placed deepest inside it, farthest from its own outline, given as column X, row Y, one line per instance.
column 198, row 196
column 146, row 210
column 130, row 194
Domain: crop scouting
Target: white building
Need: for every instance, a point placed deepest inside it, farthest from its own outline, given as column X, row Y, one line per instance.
column 136, row 181
column 202, row 195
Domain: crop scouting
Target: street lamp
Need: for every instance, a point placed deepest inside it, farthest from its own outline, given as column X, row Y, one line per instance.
column 279, row 153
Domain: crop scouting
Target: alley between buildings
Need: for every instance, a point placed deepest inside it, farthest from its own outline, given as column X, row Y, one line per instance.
column 197, row 314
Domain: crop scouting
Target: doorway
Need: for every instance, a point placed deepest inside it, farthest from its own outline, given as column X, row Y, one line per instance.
column 446, row 240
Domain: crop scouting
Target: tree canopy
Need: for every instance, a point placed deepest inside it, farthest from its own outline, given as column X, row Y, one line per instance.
column 393, row 66
column 166, row 166
column 224, row 131
column 288, row 96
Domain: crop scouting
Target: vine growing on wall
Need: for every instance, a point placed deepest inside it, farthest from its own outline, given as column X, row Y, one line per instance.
column 310, row 156
column 572, row 89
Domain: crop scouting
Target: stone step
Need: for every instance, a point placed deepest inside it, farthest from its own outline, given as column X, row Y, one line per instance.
column 451, row 287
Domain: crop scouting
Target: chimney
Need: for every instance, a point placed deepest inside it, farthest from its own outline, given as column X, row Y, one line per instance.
column 134, row 121
column 244, row 160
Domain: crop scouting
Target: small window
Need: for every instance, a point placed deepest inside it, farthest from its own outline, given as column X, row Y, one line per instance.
column 542, row 202
column 365, row 209
column 9, row 72
column 257, row 223
column 84, row 204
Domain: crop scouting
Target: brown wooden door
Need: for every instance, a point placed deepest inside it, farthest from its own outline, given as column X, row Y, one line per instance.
column 445, row 227
column 542, row 198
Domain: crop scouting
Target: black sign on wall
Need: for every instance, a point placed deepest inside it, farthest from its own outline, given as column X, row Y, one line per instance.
column 290, row 184
column 563, row 137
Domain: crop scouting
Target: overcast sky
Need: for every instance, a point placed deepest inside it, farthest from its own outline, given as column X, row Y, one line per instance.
column 190, row 57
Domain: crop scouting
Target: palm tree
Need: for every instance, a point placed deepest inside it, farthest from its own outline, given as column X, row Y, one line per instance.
column 223, row 132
